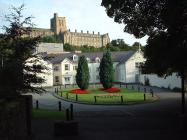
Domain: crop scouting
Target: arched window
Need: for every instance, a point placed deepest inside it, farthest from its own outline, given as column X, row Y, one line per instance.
column 97, row 60
column 88, row 59
column 75, row 57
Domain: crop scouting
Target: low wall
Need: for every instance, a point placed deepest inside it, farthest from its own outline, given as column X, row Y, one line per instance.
column 171, row 82
column 15, row 118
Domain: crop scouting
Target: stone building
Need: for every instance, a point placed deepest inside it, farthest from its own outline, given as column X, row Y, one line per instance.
column 58, row 27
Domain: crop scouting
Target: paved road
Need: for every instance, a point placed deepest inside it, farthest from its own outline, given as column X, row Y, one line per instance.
column 158, row 120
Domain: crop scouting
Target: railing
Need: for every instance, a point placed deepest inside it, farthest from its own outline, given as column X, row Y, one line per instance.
column 139, row 88
column 68, row 111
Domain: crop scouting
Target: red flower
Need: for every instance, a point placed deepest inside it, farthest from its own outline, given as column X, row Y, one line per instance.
column 110, row 90
column 79, row 91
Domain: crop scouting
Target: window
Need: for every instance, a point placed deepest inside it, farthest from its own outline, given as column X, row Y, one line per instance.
column 67, row 79
column 138, row 64
column 56, row 79
column 88, row 59
column 66, row 66
column 75, row 58
column 75, row 67
column 97, row 60
column 56, row 68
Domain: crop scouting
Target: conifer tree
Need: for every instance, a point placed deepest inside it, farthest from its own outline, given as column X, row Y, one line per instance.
column 82, row 76
column 106, row 72
column 17, row 72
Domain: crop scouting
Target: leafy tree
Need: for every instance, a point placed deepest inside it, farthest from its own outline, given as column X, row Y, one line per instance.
column 68, row 47
column 17, row 72
column 51, row 39
column 106, row 72
column 82, row 76
column 165, row 23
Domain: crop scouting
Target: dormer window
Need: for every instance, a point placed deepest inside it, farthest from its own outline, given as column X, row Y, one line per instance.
column 97, row 60
column 88, row 59
column 75, row 58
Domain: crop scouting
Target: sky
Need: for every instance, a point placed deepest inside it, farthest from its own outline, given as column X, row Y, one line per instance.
column 86, row 15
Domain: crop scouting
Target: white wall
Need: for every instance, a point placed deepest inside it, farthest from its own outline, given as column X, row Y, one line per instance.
column 94, row 72
column 68, row 73
column 47, row 74
column 170, row 81
column 50, row 48
column 57, row 73
column 130, row 68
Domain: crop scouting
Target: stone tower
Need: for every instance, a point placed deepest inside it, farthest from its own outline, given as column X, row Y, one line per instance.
column 58, row 24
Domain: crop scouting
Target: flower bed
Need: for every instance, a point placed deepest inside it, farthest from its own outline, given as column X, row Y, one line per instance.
column 111, row 90
column 79, row 91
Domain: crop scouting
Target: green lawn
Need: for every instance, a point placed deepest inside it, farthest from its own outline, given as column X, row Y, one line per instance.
column 48, row 114
column 129, row 97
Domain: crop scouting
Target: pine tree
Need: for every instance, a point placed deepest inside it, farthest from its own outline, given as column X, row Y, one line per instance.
column 106, row 72
column 17, row 73
column 82, row 76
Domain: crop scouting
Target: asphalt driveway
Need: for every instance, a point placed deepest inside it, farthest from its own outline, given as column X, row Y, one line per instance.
column 153, row 121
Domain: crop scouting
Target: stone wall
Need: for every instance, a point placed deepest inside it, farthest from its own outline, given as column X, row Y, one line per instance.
column 15, row 118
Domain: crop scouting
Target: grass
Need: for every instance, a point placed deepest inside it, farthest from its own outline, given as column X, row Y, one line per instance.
column 129, row 97
column 48, row 114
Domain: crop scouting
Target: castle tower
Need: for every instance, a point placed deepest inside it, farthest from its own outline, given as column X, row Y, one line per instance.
column 58, row 24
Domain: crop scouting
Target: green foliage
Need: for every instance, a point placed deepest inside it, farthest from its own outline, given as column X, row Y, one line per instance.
column 164, row 22
column 51, row 39
column 16, row 74
column 68, row 47
column 115, row 45
column 82, row 76
column 47, row 114
column 106, row 72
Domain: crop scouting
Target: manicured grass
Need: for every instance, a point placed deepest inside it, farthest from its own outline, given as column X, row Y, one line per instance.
column 48, row 114
column 129, row 97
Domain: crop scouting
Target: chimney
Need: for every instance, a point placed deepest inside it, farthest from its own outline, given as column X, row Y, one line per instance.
column 93, row 32
column 55, row 15
column 87, row 32
column 69, row 30
column 98, row 33
column 81, row 31
column 75, row 30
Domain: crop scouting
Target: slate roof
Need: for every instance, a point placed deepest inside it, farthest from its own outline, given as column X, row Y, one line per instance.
column 120, row 57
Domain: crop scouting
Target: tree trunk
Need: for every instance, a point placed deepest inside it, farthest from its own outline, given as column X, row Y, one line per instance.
column 183, row 91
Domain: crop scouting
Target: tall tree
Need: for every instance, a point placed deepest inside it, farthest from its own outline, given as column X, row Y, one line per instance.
column 106, row 72
column 82, row 76
column 165, row 23
column 17, row 71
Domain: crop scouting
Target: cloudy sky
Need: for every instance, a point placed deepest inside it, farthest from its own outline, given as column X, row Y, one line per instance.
column 86, row 15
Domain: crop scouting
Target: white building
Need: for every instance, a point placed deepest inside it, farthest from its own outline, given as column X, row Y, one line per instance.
column 124, row 63
column 126, row 69
column 46, row 74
